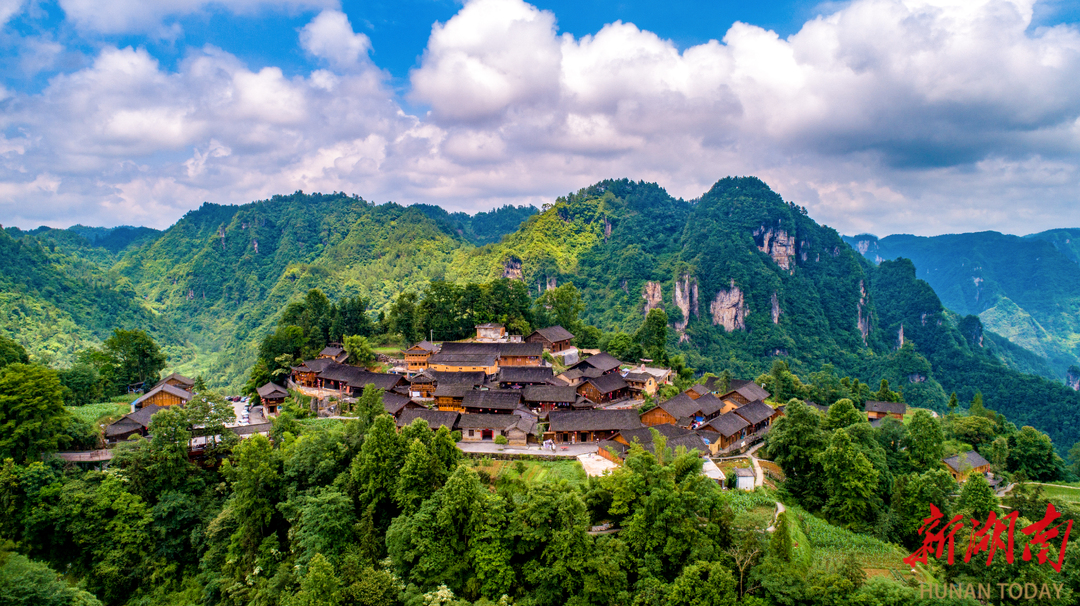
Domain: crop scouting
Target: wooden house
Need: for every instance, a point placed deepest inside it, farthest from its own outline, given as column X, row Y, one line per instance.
column 553, row 338
column 272, row 397
column 545, row 398
column 463, row 361
column 307, row 373
column 520, row 354
column 966, row 463
column 878, row 410
column 696, row 391
column 725, row 431
column 578, row 426
column 163, row 395
column 434, row 418
column 136, row 423
column 451, row 395
column 422, row 385
column 473, row 379
column 491, row 401
column 335, row 352
column 177, row 380
column 684, row 411
column 490, row 332
column 416, row 357
column 518, row 429
column 395, row 403
column 758, row 414
column 605, row 388
column 641, row 384
column 517, row 377
column 744, row 392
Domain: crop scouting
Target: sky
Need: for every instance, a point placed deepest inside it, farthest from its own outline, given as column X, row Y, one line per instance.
column 878, row 116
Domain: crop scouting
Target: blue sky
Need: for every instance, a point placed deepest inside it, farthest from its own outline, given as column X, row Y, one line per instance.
column 922, row 116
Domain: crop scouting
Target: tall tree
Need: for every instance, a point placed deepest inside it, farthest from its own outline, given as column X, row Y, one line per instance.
column 926, row 441
column 360, row 352
column 703, row 584
column 842, row 414
column 562, row 305
column 977, row 499
column 132, row 357
column 1032, row 453
column 652, row 336
column 33, row 420
column 12, row 353
column 851, row 482
column 794, row 443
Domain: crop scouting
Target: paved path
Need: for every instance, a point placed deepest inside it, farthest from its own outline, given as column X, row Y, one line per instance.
column 568, row 450
column 759, row 475
column 779, row 510
column 595, row 465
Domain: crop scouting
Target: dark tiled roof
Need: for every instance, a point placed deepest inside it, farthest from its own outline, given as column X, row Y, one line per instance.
column 394, row 402
column 434, row 418
column 183, row 394
column 966, row 461
column 422, row 378
column 728, row 424
column 463, row 359
column 549, row 393
column 602, row 361
column 178, row 378
column 452, row 390
column 898, row 408
column 424, row 346
column 593, row 420
column 745, row 472
column 317, row 365
column 525, row 374
column 644, row 434
column 332, row 350
column 637, row 377
column 748, row 389
column 501, row 399
column 690, row 440
column 699, row 389
column 474, row 378
column 609, row 382
column 554, row 333
column 755, row 412
column 521, row 349
column 271, row 390
column 683, row 405
column 488, row 421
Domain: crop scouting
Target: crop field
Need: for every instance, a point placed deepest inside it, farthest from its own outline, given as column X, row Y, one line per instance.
column 831, row 545
column 102, row 412
column 1062, row 492
column 534, row 472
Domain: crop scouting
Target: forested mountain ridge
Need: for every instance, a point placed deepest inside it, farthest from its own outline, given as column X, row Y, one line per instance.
column 745, row 277
column 1024, row 289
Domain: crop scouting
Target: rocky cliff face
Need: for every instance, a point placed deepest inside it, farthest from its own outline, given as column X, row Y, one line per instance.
column 686, row 299
column 512, row 269
column 776, row 243
column 775, row 308
column 728, row 309
column 1072, row 378
column 653, row 295
column 864, row 314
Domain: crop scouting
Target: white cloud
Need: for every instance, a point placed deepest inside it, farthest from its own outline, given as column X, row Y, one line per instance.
column 883, row 116
column 127, row 16
column 10, row 8
column 330, row 36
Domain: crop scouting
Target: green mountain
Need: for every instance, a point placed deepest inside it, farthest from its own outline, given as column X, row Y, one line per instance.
column 745, row 278
column 1025, row 289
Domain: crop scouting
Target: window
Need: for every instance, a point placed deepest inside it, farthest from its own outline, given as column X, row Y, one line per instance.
column 470, row 433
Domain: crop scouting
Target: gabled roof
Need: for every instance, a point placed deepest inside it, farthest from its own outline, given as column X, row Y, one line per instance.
column 422, row 378
column 486, row 421
column 393, row 403
column 683, row 405
column 699, row 389
column 183, row 394
column 452, row 390
column 463, row 359
column 747, row 389
column 609, row 382
column 898, row 408
column 755, row 412
column 728, row 424
column 422, row 346
column 317, row 365
column 638, row 377
column 644, row 434
column 690, row 440
column 501, row 399
column 745, row 472
column 549, row 393
column 473, row 378
column 593, row 420
column 332, row 350
column 525, row 374
column 434, row 418
column 140, row 419
column 518, row 350
column 272, row 390
column 966, row 461
column 553, row 334
column 178, row 378
column 602, row 361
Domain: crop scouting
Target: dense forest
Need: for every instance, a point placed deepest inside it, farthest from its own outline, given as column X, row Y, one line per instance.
column 743, row 277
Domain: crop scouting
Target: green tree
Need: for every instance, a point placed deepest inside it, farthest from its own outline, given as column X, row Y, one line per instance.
column 12, row 353
column 954, row 403
column 1074, row 458
column 652, row 336
column 82, row 385
column 360, row 352
column 884, row 394
column 403, row 318
column 324, row 526
column 1032, row 453
column 33, row 420
column 319, row 587
column 703, row 584
column 29, row 583
column 977, row 499
column 926, row 441
column 794, row 443
column 132, row 357
column 254, row 474
column 562, row 306
column 842, row 414
column 416, row 481
column 911, row 499
column 375, row 471
column 851, row 482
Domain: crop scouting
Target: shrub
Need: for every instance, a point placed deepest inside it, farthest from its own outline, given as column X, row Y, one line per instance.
column 500, row 439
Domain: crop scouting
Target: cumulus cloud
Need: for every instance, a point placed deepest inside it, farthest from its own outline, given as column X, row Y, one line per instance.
column 127, row 16
column 886, row 115
column 330, row 36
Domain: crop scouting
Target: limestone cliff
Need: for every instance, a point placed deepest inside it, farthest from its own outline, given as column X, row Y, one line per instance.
column 686, row 299
column 728, row 309
column 864, row 314
column 512, row 269
column 776, row 243
column 653, row 295
column 775, row 308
